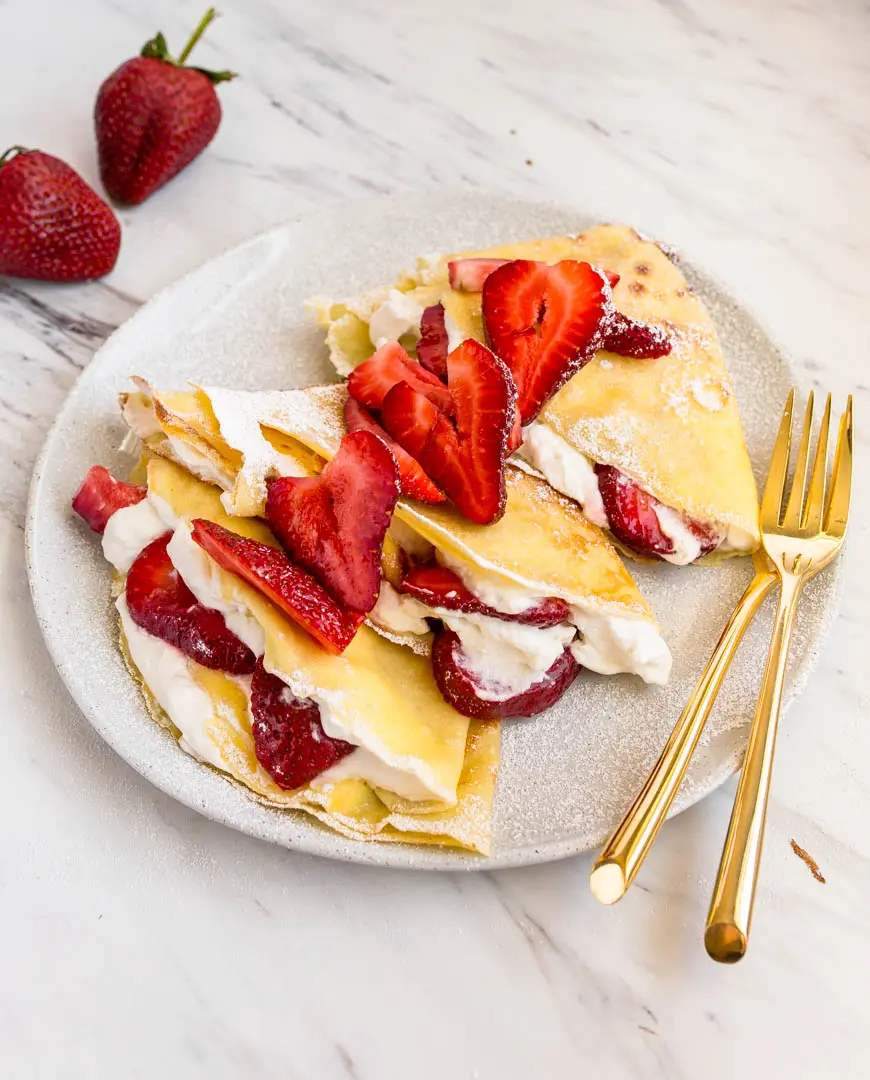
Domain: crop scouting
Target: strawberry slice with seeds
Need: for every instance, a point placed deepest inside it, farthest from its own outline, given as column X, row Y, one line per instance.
column 466, row 459
column 101, row 494
column 334, row 524
column 370, row 382
column 160, row 602
column 628, row 337
column 632, row 518
column 545, row 322
column 412, row 480
column 432, row 348
column 439, row 587
column 468, row 275
column 289, row 739
column 461, row 690
column 287, row 586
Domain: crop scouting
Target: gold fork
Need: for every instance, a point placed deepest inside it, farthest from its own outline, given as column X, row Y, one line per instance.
column 628, row 846
column 800, row 536
column 623, row 854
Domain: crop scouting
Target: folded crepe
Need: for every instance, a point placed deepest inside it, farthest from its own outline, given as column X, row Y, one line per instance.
column 670, row 424
column 421, row 773
column 542, row 547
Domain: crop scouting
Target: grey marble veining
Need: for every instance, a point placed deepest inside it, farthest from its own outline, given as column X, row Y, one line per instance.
column 141, row 939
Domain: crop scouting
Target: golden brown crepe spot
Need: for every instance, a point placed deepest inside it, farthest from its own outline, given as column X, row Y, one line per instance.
column 637, row 287
column 679, row 292
column 643, row 268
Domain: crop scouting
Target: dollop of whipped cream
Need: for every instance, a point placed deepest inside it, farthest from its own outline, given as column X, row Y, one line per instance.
column 566, row 469
column 397, row 315
column 687, row 546
column 129, row 530
column 400, row 314
column 506, row 658
column 610, row 644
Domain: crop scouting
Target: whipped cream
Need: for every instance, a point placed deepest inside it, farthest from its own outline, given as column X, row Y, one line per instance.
column 493, row 590
column 737, row 539
column 129, row 531
column 364, row 765
column 410, row 541
column 610, row 644
column 399, row 613
column 687, row 546
column 509, row 657
column 201, row 575
column 566, row 469
column 505, row 658
column 167, row 675
column 397, row 315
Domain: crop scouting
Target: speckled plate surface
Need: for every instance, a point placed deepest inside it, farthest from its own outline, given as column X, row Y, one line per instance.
column 239, row 322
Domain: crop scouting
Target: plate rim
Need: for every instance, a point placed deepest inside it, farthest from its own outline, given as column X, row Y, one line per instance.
column 315, row 838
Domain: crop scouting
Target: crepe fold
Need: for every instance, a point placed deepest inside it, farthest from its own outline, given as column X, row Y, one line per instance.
column 670, row 424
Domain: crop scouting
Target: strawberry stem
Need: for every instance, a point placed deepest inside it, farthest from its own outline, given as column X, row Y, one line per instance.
column 196, row 35
column 11, row 153
column 157, row 49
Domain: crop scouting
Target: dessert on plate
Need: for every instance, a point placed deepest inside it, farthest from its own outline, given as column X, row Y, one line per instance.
column 624, row 399
column 312, row 615
column 333, row 594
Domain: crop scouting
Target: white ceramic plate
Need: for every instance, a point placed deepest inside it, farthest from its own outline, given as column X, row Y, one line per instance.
column 239, row 322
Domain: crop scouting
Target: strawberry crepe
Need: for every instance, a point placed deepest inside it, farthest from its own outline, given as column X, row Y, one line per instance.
column 624, row 399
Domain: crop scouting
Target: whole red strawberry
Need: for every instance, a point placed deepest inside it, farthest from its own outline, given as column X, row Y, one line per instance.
column 53, row 226
column 153, row 117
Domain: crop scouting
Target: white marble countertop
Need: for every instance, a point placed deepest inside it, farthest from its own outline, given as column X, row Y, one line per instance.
column 142, row 940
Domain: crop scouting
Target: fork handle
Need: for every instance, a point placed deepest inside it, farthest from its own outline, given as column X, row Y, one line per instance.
column 625, row 851
column 727, row 934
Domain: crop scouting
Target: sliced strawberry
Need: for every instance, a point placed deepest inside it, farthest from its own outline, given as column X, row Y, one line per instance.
column 439, row 587
column 432, row 348
column 100, row 495
column 468, row 275
column 545, row 322
column 160, row 602
column 412, row 480
column 466, row 460
column 287, row 586
column 289, row 739
column 628, row 337
column 334, row 524
column 631, row 515
column 460, row 689
column 374, row 378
